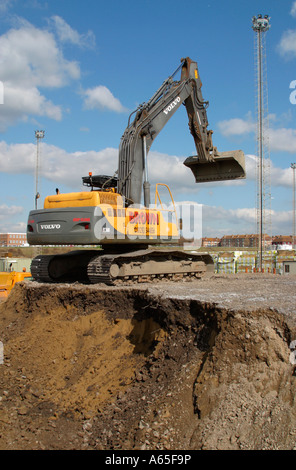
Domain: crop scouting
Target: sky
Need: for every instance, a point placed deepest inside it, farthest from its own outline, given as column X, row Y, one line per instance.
column 78, row 69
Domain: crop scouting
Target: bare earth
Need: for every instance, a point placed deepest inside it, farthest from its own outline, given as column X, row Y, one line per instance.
column 172, row 365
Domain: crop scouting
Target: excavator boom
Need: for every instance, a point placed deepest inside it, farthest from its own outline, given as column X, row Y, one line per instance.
column 151, row 117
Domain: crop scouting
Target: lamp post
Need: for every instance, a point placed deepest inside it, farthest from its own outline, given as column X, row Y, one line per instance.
column 39, row 135
column 260, row 26
column 293, row 166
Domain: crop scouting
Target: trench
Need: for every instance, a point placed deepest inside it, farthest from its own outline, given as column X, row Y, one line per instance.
column 122, row 368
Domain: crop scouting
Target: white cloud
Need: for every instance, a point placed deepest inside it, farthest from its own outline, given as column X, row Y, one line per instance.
column 30, row 61
column 170, row 170
column 100, row 97
column 55, row 163
column 280, row 140
column 279, row 177
column 70, row 35
column 68, row 168
column 233, row 216
column 18, row 158
column 236, row 126
column 7, row 213
column 283, row 140
column 19, row 103
column 251, row 163
column 287, row 44
column 10, row 211
column 31, row 57
column 7, row 224
column 218, row 221
column 64, row 168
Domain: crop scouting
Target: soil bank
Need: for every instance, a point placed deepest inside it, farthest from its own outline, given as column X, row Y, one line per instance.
column 173, row 365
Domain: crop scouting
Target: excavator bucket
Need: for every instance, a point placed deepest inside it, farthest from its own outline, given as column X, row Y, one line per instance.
column 223, row 166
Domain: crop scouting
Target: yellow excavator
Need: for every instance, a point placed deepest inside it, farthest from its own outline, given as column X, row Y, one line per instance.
column 111, row 213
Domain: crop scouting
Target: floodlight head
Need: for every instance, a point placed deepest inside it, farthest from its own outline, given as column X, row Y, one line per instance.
column 261, row 24
column 39, row 134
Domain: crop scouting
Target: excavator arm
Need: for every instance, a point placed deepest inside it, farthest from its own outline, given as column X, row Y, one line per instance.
column 149, row 120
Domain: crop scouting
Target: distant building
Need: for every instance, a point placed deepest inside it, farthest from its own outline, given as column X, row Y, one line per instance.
column 210, row 241
column 13, row 239
column 250, row 241
column 244, row 241
column 278, row 240
column 289, row 267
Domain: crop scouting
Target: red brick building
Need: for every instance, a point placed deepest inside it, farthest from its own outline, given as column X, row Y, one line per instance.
column 206, row 241
column 13, row 239
column 244, row 241
column 282, row 240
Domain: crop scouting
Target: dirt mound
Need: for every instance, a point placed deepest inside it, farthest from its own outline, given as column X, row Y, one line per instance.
column 91, row 367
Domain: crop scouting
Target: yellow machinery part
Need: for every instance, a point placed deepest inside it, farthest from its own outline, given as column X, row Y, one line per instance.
column 143, row 222
column 9, row 279
column 83, row 199
column 127, row 221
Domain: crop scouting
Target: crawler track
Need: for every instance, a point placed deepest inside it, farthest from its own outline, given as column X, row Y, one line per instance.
column 111, row 269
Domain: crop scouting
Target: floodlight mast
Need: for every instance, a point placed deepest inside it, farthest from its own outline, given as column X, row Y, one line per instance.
column 260, row 25
column 39, row 135
column 293, row 166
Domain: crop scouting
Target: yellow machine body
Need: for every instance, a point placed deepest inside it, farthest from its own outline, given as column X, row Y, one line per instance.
column 128, row 222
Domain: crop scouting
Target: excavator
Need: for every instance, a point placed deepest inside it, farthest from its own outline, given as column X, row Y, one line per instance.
column 138, row 240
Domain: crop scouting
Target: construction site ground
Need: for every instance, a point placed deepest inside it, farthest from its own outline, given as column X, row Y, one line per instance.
column 199, row 365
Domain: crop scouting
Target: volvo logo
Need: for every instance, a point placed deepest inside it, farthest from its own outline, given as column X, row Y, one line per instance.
column 172, row 105
column 50, row 226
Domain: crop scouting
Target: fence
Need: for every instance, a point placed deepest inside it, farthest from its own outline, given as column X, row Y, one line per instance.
column 240, row 262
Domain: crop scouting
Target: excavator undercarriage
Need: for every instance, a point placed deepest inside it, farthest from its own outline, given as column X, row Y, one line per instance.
column 113, row 269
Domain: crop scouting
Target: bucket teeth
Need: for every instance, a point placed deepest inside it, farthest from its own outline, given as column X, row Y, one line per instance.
column 223, row 166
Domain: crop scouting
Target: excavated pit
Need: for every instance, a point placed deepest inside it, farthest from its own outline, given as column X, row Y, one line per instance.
column 151, row 367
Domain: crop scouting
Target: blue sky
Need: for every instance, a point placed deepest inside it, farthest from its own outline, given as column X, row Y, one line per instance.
column 77, row 69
